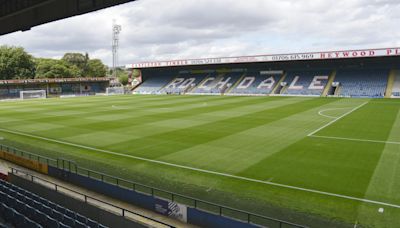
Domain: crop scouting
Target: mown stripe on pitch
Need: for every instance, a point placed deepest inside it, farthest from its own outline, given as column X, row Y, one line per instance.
column 80, row 129
column 239, row 151
column 384, row 183
column 159, row 145
column 213, row 106
column 91, row 106
column 80, row 117
column 242, row 178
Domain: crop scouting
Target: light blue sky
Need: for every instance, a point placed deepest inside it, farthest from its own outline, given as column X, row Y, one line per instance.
column 177, row 29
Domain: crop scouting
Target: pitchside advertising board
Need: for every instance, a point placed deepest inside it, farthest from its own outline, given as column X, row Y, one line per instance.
column 171, row 209
column 384, row 52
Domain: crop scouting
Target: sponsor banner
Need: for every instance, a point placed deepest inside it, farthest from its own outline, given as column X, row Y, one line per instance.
column 25, row 162
column 384, row 52
column 171, row 209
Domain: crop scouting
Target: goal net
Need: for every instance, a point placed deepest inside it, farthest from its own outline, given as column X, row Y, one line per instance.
column 32, row 94
column 115, row 90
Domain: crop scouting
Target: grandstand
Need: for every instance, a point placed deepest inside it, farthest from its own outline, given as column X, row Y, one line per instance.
column 361, row 75
column 396, row 84
column 10, row 89
column 22, row 208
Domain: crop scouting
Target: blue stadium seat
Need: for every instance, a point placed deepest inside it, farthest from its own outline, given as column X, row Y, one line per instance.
column 62, row 225
column 40, row 217
column 210, row 84
column 81, row 219
column 92, row 223
column 70, row 213
column 362, row 82
column 52, row 222
column 254, row 82
column 79, row 224
column 57, row 215
column 68, row 221
column 304, row 81
column 154, row 83
column 24, row 209
column 183, row 83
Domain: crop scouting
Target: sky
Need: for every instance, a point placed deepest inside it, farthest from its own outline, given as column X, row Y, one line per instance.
column 181, row 29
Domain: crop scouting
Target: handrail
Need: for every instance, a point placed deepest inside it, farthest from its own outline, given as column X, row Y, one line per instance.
column 23, row 153
column 118, row 182
column 57, row 188
column 174, row 195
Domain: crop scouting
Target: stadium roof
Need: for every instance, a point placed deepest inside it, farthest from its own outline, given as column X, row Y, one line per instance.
column 16, row 15
column 347, row 54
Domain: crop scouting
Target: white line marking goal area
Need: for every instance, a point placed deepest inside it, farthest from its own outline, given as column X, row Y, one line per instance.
column 205, row 171
column 340, row 117
column 354, row 139
column 312, row 134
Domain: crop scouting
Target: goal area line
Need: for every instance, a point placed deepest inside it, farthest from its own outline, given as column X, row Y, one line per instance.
column 340, row 117
column 313, row 134
column 354, row 139
column 204, row 170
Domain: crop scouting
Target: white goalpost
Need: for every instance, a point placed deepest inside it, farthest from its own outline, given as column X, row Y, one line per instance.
column 32, row 94
column 115, row 91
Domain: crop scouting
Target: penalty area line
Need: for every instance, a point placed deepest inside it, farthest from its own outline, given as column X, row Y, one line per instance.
column 203, row 170
column 340, row 117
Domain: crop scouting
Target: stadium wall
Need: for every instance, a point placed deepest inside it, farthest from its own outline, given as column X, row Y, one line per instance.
column 191, row 215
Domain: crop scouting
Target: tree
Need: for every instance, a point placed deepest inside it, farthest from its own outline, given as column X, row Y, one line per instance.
column 15, row 63
column 52, row 68
column 78, row 60
column 136, row 73
column 123, row 78
column 96, row 68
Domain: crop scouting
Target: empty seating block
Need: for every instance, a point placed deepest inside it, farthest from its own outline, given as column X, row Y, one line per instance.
column 183, row 83
column 218, row 83
column 396, row 85
column 256, row 83
column 362, row 82
column 25, row 209
column 306, row 82
column 153, row 84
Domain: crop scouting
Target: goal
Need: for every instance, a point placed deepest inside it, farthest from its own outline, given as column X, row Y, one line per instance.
column 115, row 90
column 32, row 94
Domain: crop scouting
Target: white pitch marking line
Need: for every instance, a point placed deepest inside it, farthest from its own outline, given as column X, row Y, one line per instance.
column 321, row 112
column 354, row 139
column 205, row 171
column 340, row 117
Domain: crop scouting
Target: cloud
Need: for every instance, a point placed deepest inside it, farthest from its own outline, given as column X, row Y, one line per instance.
column 176, row 29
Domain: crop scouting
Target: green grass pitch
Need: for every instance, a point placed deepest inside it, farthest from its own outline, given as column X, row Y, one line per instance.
column 293, row 158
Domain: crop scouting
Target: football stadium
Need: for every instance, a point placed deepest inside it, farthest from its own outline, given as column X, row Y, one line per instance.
column 283, row 140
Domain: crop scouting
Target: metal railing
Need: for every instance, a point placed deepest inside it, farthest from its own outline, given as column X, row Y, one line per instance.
column 87, row 199
column 233, row 213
